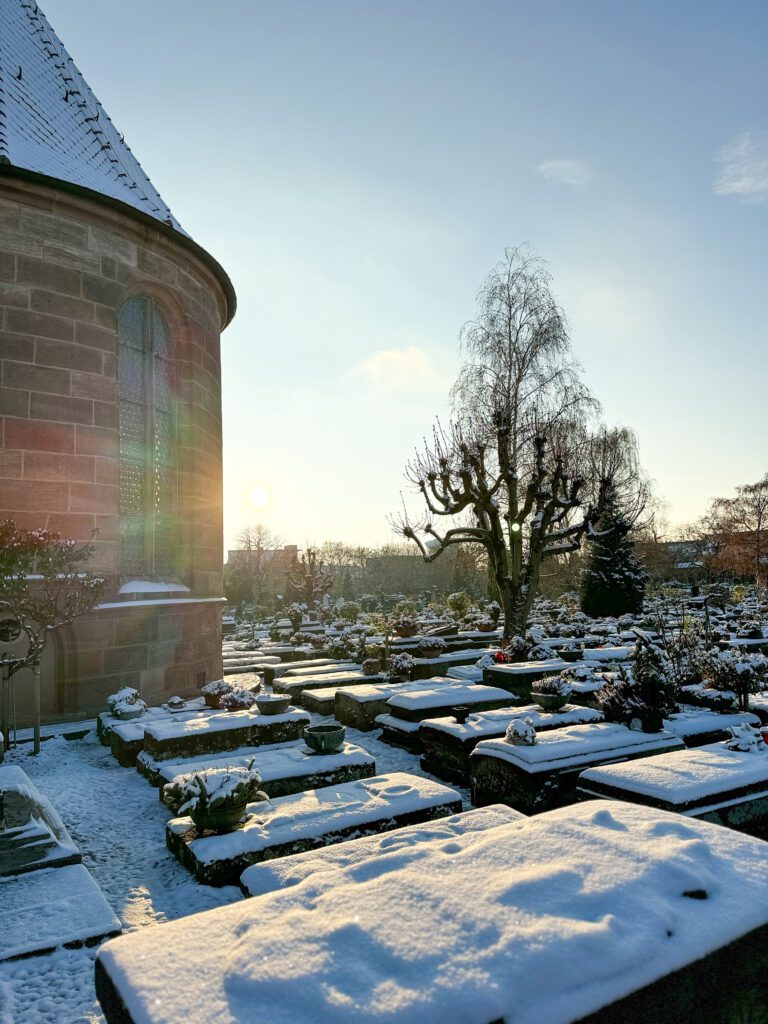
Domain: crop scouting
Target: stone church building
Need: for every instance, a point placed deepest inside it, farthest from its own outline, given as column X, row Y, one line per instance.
column 110, row 395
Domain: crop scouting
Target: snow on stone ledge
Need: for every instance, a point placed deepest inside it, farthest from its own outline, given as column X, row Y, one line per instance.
column 272, row 875
column 684, row 776
column 542, row 922
column 560, row 748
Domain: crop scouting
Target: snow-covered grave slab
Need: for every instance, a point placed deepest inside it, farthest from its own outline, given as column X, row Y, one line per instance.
column 106, row 722
column 319, row 667
column 447, row 743
column 397, row 732
column 609, row 654
column 697, row 726
column 126, row 739
column 727, row 787
column 34, row 836
column 53, row 907
column 425, row 667
column 323, row 701
column 226, row 730
column 604, row 912
column 543, row 776
column 272, row 875
column 303, row 821
column 437, row 700
column 404, row 711
column 359, row 706
column 287, row 769
column 465, row 673
column 518, row 676
column 295, row 686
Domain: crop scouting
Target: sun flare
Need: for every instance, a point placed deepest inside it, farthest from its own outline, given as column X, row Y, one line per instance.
column 259, row 497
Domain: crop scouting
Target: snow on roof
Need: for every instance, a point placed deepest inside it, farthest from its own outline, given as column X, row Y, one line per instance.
column 51, row 123
column 545, row 919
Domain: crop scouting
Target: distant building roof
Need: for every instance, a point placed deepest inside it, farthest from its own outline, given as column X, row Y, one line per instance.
column 52, row 124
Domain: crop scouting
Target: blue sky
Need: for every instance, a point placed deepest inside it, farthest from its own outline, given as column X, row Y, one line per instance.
column 358, row 167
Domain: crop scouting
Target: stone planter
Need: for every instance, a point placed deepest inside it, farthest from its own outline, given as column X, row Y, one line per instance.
column 273, row 704
column 221, row 819
column 371, row 666
column 549, row 701
column 324, row 739
column 569, row 654
column 405, row 631
column 129, row 715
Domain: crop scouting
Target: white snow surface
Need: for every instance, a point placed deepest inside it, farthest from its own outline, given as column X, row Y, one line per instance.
column 118, row 823
column 277, row 761
column 540, row 921
column 42, row 909
column 561, row 748
column 453, row 693
column 317, row 812
column 683, row 776
column 494, row 723
column 272, row 875
column 219, row 721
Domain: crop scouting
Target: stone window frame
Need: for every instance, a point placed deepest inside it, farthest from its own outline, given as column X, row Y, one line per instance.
column 151, row 566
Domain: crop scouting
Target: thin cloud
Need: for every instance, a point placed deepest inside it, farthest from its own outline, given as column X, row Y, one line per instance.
column 398, row 368
column 744, row 168
column 575, row 173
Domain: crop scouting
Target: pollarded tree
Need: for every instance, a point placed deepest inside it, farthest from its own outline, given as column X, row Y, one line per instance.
column 309, row 579
column 509, row 472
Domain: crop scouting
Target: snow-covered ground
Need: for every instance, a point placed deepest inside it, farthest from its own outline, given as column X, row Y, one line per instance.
column 116, row 819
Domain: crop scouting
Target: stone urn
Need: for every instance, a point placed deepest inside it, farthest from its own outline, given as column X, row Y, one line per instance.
column 549, row 701
column 273, row 703
column 325, row 739
column 220, row 819
column 371, row 666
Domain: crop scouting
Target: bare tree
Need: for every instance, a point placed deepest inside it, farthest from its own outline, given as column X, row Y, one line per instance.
column 258, row 548
column 738, row 529
column 45, row 584
column 509, row 472
column 309, row 578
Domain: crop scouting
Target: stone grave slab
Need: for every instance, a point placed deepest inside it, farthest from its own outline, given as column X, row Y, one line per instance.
column 34, row 836
column 434, row 702
column 53, row 907
column 273, row 875
column 225, row 730
column 544, row 776
column 726, row 787
column 296, row 686
column 303, row 821
column 517, row 677
column 425, row 668
column 470, row 930
column 447, row 743
column 359, row 706
column 287, row 769
column 697, row 726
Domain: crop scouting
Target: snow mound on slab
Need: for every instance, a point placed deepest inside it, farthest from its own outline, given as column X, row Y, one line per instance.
column 541, row 922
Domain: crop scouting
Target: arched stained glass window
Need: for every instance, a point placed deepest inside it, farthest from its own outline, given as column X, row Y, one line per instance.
column 148, row 484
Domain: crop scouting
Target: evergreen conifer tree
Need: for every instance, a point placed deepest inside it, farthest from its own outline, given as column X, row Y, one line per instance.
column 614, row 581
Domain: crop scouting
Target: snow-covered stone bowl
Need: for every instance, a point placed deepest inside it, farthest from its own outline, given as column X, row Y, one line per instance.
column 273, row 703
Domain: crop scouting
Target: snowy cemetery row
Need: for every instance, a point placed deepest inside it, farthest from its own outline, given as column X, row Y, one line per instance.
column 580, row 870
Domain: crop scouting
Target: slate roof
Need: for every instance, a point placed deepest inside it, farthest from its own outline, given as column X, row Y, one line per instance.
column 52, row 124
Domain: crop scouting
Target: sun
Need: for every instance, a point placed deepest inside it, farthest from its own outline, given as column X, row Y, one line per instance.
column 259, row 497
